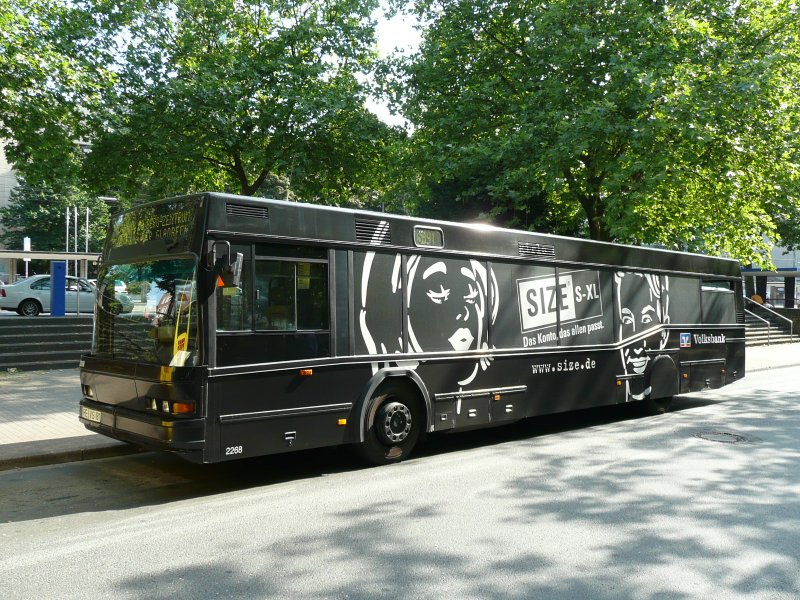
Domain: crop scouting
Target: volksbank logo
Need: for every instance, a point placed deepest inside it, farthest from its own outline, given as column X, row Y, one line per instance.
column 704, row 338
column 700, row 339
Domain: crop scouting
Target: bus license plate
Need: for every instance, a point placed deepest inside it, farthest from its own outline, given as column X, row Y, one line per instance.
column 90, row 414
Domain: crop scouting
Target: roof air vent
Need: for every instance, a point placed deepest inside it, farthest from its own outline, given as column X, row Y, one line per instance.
column 370, row 231
column 531, row 250
column 242, row 210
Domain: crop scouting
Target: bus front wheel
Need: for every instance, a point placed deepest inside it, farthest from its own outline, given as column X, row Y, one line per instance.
column 394, row 422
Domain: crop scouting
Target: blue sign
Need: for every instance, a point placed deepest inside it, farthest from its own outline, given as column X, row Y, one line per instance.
column 58, row 288
column 686, row 340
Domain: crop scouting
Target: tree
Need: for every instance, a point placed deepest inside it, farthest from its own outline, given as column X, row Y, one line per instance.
column 53, row 66
column 660, row 122
column 40, row 213
column 242, row 96
column 259, row 97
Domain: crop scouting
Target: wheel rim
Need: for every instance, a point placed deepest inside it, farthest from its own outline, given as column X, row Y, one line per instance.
column 29, row 309
column 394, row 422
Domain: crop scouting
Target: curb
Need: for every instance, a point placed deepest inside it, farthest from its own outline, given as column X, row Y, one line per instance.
column 769, row 368
column 51, row 452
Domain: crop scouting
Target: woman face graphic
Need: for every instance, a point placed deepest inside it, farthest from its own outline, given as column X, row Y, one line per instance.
column 446, row 305
column 640, row 308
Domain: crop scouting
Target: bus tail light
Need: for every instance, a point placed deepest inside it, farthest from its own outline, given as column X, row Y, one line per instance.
column 174, row 408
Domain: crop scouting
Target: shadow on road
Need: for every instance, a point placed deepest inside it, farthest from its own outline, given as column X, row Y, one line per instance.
column 157, row 478
column 654, row 511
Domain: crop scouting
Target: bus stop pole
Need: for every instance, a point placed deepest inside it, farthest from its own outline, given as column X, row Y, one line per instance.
column 66, row 243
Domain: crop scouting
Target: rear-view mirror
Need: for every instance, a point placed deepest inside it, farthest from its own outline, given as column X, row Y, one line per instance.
column 231, row 274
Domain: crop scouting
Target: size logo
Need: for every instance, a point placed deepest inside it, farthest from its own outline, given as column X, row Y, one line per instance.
column 576, row 296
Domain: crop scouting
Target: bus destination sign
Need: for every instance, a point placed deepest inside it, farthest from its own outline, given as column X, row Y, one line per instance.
column 174, row 222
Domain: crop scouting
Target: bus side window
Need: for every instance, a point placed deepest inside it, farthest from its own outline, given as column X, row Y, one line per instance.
column 642, row 302
column 291, row 296
column 588, row 313
column 234, row 304
column 378, row 296
column 275, row 295
column 684, row 305
column 312, row 296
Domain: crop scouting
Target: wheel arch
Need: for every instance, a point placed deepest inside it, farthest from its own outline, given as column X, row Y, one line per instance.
column 36, row 301
column 663, row 377
column 407, row 377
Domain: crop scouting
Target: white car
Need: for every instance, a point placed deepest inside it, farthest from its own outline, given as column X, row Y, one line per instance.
column 31, row 296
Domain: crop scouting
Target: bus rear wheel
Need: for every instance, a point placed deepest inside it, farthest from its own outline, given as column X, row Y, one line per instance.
column 655, row 406
column 393, row 425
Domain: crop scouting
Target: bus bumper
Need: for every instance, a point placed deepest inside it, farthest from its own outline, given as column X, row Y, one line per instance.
column 151, row 431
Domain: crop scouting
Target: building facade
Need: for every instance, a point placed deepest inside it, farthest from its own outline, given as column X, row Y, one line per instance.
column 7, row 183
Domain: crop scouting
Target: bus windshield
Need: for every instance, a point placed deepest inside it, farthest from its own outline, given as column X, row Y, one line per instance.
column 147, row 312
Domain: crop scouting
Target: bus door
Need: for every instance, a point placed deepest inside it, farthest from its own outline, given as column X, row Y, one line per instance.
column 279, row 314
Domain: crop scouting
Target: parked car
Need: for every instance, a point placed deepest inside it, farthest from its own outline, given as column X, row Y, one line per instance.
column 31, row 296
column 120, row 303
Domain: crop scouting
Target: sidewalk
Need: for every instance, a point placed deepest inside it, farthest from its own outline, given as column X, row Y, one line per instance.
column 39, row 413
column 39, row 421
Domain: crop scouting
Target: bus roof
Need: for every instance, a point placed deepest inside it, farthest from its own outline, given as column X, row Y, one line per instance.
column 311, row 223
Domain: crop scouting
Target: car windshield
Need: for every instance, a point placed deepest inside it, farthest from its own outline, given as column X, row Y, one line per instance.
column 147, row 312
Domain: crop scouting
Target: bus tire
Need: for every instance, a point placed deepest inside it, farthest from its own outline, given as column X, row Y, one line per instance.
column 655, row 406
column 394, row 422
column 662, row 379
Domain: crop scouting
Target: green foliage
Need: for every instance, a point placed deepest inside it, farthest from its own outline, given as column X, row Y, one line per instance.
column 52, row 71
column 40, row 213
column 667, row 123
column 243, row 97
column 257, row 97
column 670, row 123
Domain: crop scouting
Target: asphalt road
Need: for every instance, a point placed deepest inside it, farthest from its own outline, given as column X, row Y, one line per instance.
column 703, row 502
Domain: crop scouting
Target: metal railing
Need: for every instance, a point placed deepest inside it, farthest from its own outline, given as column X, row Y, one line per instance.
column 772, row 312
column 769, row 325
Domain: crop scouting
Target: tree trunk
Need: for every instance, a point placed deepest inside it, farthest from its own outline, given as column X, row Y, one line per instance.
column 246, row 188
column 249, row 189
column 594, row 209
column 592, row 202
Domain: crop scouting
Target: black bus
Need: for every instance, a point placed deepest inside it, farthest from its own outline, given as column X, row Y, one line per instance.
column 230, row 327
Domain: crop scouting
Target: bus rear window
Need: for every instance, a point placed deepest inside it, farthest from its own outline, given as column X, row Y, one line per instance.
column 718, row 302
